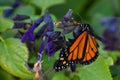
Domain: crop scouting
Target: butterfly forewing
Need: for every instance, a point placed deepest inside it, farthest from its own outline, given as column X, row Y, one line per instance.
column 76, row 50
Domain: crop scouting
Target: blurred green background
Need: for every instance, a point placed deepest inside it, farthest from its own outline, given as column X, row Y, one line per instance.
column 14, row 54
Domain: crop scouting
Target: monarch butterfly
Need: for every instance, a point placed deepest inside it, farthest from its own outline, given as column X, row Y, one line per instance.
column 83, row 49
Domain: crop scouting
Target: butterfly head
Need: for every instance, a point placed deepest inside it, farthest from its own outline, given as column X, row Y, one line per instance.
column 85, row 27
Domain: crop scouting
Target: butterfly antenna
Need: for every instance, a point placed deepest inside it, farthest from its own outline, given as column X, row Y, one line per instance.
column 80, row 18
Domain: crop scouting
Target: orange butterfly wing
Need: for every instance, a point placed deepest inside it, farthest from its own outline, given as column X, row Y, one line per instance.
column 91, row 52
column 84, row 49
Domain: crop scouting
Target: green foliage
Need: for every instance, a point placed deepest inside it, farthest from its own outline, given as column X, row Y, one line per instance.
column 97, row 12
column 110, row 56
column 60, row 77
column 98, row 70
column 6, row 2
column 24, row 10
column 13, row 57
column 45, row 4
column 5, row 76
column 5, row 24
column 117, row 77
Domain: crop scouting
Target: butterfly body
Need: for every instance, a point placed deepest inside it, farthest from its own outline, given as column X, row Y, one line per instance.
column 82, row 50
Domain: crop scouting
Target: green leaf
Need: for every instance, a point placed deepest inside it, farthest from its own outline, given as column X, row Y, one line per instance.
column 24, row 10
column 5, row 24
column 44, row 4
column 4, row 8
column 110, row 56
column 7, row 2
column 117, row 77
column 98, row 70
column 9, row 33
column 76, row 77
column 13, row 57
column 96, row 24
column 60, row 77
column 47, row 65
column 118, row 2
column 98, row 8
column 115, row 69
column 77, row 6
column 97, row 12
column 4, row 75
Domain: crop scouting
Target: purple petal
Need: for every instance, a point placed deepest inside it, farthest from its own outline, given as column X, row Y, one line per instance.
column 14, row 6
column 39, row 57
column 68, row 15
column 24, row 38
column 50, row 48
column 53, row 35
column 8, row 12
column 23, row 25
column 50, row 27
column 112, row 27
column 36, row 23
column 110, row 20
column 43, row 44
column 28, row 35
column 47, row 18
column 41, row 31
column 31, row 37
column 41, row 47
column 20, row 17
column 111, row 33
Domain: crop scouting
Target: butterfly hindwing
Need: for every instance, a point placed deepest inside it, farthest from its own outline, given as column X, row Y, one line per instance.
column 62, row 62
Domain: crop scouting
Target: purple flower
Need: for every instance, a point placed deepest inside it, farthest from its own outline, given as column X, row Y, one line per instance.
column 46, row 32
column 49, row 38
column 20, row 17
column 41, row 31
column 110, row 22
column 51, row 48
column 53, row 34
column 18, row 22
column 24, row 25
column 111, row 33
column 14, row 6
column 42, row 46
column 48, row 20
column 68, row 15
column 29, row 33
column 66, row 23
